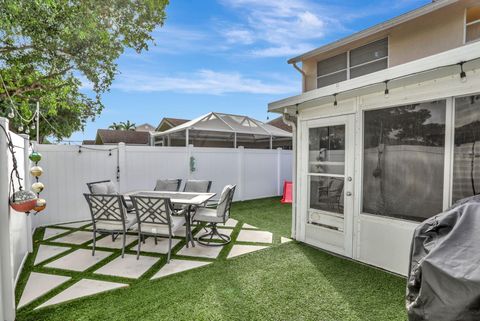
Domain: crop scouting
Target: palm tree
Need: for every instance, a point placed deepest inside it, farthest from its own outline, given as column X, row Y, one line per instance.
column 116, row 126
column 128, row 125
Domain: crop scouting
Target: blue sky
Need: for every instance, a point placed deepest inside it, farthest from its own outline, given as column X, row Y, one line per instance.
column 229, row 56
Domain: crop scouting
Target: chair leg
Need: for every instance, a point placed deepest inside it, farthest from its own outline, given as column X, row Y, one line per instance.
column 156, row 241
column 169, row 248
column 139, row 244
column 113, row 237
column 94, row 242
column 123, row 244
column 206, row 239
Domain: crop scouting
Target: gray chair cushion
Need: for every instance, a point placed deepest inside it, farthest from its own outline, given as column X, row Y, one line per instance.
column 208, row 215
column 162, row 229
column 223, row 202
column 99, row 188
column 128, row 204
column 197, row 186
column 130, row 221
column 167, row 185
column 111, row 188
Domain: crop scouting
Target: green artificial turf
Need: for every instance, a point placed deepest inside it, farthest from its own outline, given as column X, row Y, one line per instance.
column 285, row 282
column 267, row 213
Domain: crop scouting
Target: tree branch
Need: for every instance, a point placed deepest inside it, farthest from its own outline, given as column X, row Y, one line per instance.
column 8, row 49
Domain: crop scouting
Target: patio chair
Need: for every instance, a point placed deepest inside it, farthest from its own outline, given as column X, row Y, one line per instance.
column 155, row 219
column 107, row 187
column 168, row 185
column 197, row 186
column 109, row 217
column 212, row 217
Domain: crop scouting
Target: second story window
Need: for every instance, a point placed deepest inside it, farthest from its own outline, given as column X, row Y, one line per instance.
column 472, row 24
column 369, row 58
column 354, row 63
column 332, row 70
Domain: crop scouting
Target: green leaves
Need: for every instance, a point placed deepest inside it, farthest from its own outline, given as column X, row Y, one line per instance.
column 45, row 45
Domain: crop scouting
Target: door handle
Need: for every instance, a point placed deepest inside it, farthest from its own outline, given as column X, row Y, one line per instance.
column 349, row 193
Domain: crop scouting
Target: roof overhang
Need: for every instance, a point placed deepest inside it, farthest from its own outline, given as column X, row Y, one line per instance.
column 428, row 68
column 426, row 9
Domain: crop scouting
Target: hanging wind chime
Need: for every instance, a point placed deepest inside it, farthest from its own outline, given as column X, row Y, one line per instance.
column 37, row 187
column 29, row 201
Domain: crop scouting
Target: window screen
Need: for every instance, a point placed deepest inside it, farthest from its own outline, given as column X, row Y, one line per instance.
column 403, row 168
column 333, row 64
column 331, row 79
column 373, row 51
column 368, row 68
column 466, row 152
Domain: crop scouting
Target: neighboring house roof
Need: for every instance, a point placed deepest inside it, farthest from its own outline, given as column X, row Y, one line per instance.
column 381, row 27
column 145, row 127
column 278, row 122
column 131, row 137
column 168, row 122
column 220, row 122
column 88, row 142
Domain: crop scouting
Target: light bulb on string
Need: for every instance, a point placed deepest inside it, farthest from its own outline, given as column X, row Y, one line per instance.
column 20, row 128
column 27, row 130
column 463, row 74
column 33, row 126
column 11, row 114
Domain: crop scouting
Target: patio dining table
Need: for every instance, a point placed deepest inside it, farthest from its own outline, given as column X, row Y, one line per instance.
column 188, row 199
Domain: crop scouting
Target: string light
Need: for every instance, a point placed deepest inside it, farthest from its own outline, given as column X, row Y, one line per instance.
column 11, row 113
column 463, row 74
column 387, row 91
column 20, row 128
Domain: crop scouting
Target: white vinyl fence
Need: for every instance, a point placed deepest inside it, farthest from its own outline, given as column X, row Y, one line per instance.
column 257, row 173
column 15, row 228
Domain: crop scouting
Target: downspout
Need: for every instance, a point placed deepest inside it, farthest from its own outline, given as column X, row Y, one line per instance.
column 292, row 121
column 304, row 77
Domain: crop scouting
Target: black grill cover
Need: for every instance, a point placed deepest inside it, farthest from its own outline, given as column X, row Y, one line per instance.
column 444, row 274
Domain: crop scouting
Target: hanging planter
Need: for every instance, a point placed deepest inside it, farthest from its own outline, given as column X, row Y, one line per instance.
column 23, row 201
column 35, row 157
column 36, row 171
column 40, row 205
column 38, row 187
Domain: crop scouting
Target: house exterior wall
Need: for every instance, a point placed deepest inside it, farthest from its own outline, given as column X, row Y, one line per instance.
column 433, row 33
column 377, row 240
column 437, row 32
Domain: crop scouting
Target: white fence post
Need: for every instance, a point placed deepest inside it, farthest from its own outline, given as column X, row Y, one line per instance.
column 241, row 170
column 7, row 293
column 27, row 182
column 122, row 168
column 279, row 171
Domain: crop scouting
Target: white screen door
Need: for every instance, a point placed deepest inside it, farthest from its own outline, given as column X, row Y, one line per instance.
column 329, row 177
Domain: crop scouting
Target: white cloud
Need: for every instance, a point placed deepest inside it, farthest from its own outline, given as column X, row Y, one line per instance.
column 203, row 81
column 280, row 27
column 239, row 36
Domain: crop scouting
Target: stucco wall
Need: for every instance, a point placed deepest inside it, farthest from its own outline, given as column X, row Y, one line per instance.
column 428, row 35
column 439, row 31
